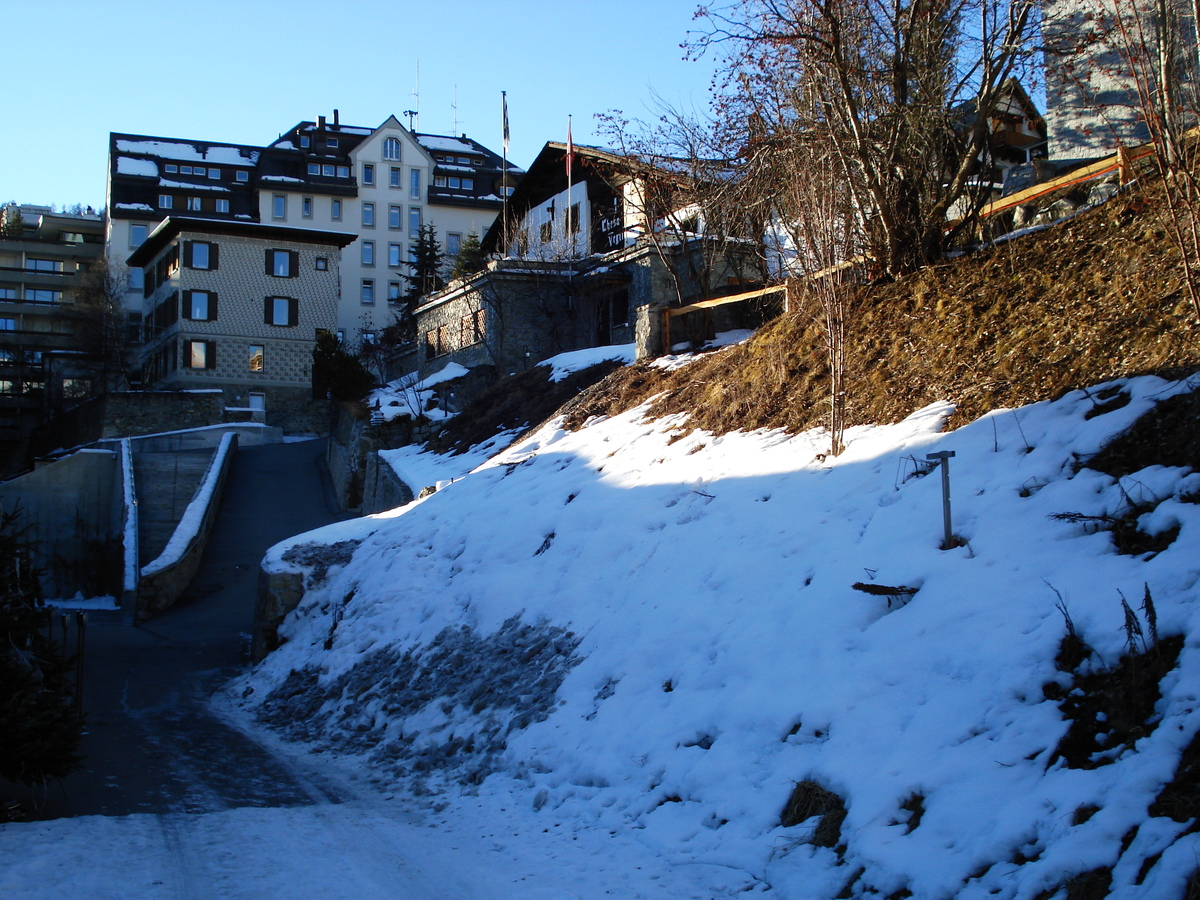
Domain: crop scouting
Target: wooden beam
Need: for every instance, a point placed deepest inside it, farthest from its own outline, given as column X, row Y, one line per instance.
column 721, row 301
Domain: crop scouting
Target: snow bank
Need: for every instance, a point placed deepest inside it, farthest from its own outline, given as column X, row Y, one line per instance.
column 688, row 602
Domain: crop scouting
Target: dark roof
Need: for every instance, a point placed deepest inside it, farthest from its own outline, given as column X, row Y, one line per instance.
column 173, row 226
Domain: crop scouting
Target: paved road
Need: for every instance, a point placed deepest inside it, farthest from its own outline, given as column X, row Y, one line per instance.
column 151, row 745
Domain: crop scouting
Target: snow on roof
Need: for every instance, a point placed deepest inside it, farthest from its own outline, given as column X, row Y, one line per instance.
column 441, row 142
column 186, row 150
column 192, row 186
column 129, row 166
column 279, row 178
column 141, row 207
column 448, row 168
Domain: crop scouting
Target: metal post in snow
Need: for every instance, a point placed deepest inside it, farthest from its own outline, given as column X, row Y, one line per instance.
column 943, row 457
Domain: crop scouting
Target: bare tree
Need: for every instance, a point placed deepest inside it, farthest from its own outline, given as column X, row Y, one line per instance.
column 95, row 313
column 898, row 91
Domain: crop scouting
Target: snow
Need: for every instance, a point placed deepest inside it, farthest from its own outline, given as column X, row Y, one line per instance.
column 130, row 519
column 192, row 186
column 577, row 360
column 448, row 144
column 180, row 150
column 193, row 517
column 597, row 664
column 129, row 166
column 140, row 207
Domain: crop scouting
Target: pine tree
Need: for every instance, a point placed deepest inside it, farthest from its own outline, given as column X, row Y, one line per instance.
column 470, row 257
column 40, row 727
column 426, row 265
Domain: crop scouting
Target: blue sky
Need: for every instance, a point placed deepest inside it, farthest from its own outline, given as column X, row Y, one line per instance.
column 245, row 71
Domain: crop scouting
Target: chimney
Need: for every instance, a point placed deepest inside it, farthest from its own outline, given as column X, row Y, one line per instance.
column 321, row 122
column 335, row 117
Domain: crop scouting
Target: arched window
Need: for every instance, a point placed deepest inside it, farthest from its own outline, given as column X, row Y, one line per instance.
column 391, row 148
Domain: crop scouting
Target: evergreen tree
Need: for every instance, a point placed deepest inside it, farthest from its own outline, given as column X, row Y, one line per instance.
column 426, row 266
column 337, row 371
column 40, row 727
column 470, row 257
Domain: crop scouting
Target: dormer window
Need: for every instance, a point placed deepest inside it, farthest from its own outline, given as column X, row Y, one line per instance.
column 391, row 148
column 305, row 142
column 331, row 142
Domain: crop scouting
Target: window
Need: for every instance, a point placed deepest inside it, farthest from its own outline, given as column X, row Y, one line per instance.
column 306, row 207
column 283, row 263
column 394, row 177
column 368, row 173
column 394, row 214
column 200, row 306
column 335, row 210
column 439, row 181
column 137, row 279
column 200, row 255
column 455, row 181
column 7, row 386
column 368, row 253
column 367, row 295
column 573, row 219
column 222, row 206
column 464, row 160
column 8, row 323
column 368, row 215
column 214, row 174
column 393, row 291
column 44, row 265
column 185, row 170
column 468, row 184
column 8, row 293
column 414, row 222
column 546, row 232
column 137, row 235
column 171, row 168
column 394, row 259
column 283, row 311
column 242, row 175
column 391, row 148
column 314, row 168
column 343, row 171
column 72, row 237
column 193, row 204
column 199, row 354
column 305, row 141
column 414, row 183
column 472, row 329
column 41, row 295
column 258, row 400
column 164, row 201
column 279, row 206
column 200, row 170
column 331, row 142
column 322, row 264
column 327, row 170
column 368, row 337
column 453, row 244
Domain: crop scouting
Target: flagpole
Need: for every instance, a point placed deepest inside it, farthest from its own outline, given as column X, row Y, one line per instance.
column 504, row 176
column 570, row 153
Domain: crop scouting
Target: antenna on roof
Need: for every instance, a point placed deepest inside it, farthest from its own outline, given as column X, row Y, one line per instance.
column 454, row 107
column 414, row 115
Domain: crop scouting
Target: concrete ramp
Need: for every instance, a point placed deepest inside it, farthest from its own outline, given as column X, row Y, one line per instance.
column 165, row 484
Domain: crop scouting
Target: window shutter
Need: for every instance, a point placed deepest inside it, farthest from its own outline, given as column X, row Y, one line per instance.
column 212, row 304
column 267, row 306
column 270, row 268
column 293, row 311
column 293, row 264
column 187, row 253
column 210, row 354
column 213, row 257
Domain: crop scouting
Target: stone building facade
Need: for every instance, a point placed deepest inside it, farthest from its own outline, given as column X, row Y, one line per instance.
column 236, row 307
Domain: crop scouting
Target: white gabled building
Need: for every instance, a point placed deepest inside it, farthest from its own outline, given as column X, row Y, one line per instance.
column 380, row 184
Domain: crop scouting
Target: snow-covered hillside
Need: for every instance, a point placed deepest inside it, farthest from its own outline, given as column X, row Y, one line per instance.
column 633, row 631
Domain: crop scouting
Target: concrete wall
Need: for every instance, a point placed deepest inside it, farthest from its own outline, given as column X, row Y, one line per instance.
column 74, row 509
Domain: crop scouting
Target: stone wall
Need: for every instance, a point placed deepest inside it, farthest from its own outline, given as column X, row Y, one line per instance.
column 150, row 412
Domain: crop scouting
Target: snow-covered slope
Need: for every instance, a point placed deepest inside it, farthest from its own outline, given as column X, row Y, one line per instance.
column 624, row 630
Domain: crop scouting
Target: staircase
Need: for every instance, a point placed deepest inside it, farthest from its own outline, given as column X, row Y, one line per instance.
column 165, row 484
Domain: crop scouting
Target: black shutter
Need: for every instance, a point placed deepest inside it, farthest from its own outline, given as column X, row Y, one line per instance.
column 212, row 257
column 293, row 264
column 293, row 311
column 212, row 305
column 267, row 311
column 210, row 354
column 270, row 269
column 186, row 304
column 187, row 253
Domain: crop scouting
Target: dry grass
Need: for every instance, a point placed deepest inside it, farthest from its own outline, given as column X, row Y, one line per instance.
column 1089, row 300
